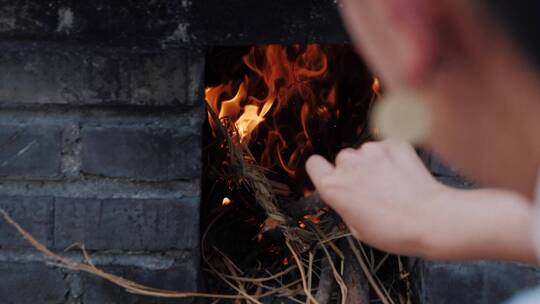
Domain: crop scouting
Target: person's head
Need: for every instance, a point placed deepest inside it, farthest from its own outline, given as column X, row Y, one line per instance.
column 461, row 57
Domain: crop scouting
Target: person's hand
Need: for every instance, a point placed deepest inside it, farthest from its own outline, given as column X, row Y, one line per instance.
column 389, row 200
column 380, row 190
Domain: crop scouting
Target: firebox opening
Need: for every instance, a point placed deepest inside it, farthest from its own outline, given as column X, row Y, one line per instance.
column 264, row 230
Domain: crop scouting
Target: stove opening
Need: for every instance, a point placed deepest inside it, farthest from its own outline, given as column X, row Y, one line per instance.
column 266, row 235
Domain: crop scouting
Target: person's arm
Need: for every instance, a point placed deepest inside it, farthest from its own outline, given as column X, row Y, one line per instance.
column 480, row 224
column 390, row 201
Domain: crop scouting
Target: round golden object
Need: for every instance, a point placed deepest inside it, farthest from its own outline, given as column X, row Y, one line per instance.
column 402, row 116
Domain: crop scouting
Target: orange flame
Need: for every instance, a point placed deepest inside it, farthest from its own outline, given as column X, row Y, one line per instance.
column 226, row 201
column 281, row 79
column 376, row 86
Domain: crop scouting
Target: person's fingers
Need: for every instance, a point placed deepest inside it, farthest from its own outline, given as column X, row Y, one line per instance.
column 317, row 168
column 405, row 156
column 345, row 157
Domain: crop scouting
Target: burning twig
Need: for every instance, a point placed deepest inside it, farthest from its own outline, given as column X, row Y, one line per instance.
column 253, row 177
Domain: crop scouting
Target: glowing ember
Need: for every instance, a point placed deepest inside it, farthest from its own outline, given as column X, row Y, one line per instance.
column 376, row 87
column 269, row 224
column 226, row 201
column 312, row 218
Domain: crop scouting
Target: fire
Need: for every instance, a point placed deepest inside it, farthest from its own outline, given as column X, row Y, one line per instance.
column 312, row 218
column 282, row 81
column 270, row 107
column 376, row 86
column 226, row 201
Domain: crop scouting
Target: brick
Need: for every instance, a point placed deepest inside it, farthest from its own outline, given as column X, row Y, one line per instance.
column 218, row 22
column 139, row 153
column 100, row 188
column 325, row 23
column 474, row 283
column 30, row 151
column 162, row 22
column 100, row 20
column 127, row 224
column 197, row 60
column 31, row 283
column 178, row 276
column 26, row 278
column 58, row 74
column 34, row 214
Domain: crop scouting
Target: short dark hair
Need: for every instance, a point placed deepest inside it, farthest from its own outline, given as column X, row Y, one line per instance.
column 521, row 18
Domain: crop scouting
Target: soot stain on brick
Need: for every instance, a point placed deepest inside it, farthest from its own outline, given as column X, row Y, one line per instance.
column 66, row 20
column 71, row 150
column 180, row 34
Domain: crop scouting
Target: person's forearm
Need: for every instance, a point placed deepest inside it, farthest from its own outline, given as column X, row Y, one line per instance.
column 390, row 201
column 479, row 224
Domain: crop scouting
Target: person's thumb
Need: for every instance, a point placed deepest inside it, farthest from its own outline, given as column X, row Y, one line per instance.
column 317, row 167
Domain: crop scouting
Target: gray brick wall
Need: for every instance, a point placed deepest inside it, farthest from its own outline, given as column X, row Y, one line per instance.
column 51, row 73
column 27, row 279
column 100, row 145
column 127, row 224
column 150, row 154
column 163, row 22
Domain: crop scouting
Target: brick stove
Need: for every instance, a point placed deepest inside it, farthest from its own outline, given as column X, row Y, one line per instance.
column 101, row 137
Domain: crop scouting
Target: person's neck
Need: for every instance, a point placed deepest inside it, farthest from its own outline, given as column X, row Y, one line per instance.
column 518, row 89
column 507, row 99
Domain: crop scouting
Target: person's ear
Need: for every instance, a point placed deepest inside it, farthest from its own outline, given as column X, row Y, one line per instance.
column 398, row 38
column 418, row 22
